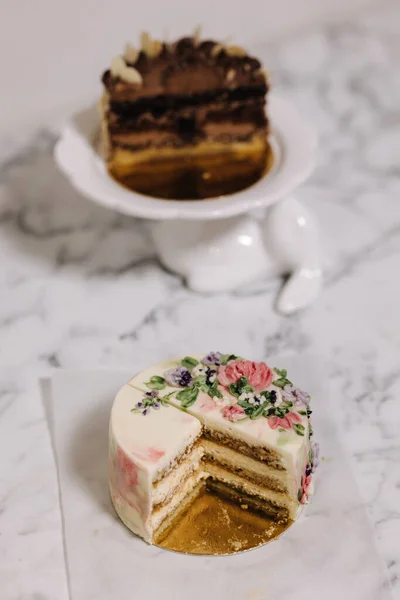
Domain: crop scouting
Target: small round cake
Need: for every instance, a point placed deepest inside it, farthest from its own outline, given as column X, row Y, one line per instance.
column 218, row 422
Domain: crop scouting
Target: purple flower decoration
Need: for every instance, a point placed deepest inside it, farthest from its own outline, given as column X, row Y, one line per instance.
column 295, row 395
column 150, row 400
column 212, row 358
column 178, row 377
column 315, row 456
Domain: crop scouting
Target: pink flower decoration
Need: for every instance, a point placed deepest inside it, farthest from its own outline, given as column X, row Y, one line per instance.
column 154, row 454
column 259, row 375
column 285, row 422
column 233, row 413
column 205, row 403
column 306, row 490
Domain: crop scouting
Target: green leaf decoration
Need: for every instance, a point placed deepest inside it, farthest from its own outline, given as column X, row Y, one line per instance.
column 283, row 380
column 299, row 494
column 233, row 390
column 258, row 412
column 162, row 401
column 214, row 391
column 204, row 387
column 281, row 429
column 135, row 410
column 240, row 386
column 245, row 404
column 225, row 358
column 303, row 412
column 188, row 397
column 281, row 372
column 281, row 383
column 156, row 383
column 299, row 429
column 189, row 362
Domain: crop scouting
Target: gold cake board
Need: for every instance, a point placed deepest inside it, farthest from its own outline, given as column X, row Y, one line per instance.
column 213, row 525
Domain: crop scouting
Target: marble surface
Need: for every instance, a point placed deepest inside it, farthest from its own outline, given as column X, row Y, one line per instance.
column 80, row 288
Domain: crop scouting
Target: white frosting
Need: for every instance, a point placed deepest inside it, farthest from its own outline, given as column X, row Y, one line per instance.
column 171, row 482
column 154, row 440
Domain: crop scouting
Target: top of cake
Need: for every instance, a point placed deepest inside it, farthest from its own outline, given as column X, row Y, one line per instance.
column 188, row 66
column 258, row 402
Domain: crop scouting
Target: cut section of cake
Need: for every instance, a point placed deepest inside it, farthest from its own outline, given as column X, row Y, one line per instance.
column 185, row 120
column 236, row 426
column 155, row 462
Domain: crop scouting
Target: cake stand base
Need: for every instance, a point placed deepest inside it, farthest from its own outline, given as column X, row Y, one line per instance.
column 225, row 254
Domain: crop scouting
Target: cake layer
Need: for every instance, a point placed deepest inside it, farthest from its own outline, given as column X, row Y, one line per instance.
column 186, row 129
column 266, row 456
column 159, row 106
column 183, row 124
column 245, row 486
column 187, row 488
column 204, row 155
column 248, row 501
column 244, row 466
column 205, row 170
column 168, row 485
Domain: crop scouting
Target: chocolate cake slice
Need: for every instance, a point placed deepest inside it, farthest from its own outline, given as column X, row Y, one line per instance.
column 185, row 120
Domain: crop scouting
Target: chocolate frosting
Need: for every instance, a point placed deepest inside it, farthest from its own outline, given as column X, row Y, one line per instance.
column 187, row 68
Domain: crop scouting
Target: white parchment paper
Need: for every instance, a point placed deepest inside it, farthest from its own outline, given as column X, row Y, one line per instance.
column 329, row 553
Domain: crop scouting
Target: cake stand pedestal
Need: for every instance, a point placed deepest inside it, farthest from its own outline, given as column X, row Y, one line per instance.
column 226, row 254
column 225, row 243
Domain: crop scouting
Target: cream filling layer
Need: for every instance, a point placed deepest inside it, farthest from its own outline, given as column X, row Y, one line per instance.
column 168, row 485
column 159, row 514
column 251, row 488
column 235, row 460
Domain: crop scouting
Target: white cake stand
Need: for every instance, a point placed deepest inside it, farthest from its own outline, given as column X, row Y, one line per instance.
column 224, row 243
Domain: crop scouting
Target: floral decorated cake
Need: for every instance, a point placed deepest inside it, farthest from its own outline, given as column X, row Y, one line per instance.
column 235, row 426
